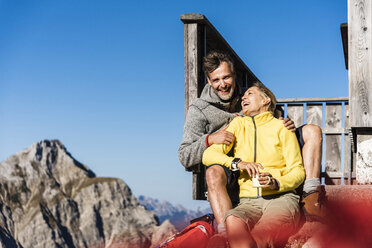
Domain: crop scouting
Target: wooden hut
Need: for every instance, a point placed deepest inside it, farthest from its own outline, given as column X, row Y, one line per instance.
column 346, row 122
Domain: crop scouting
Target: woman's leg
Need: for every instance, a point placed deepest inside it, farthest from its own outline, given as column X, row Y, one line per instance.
column 279, row 220
column 240, row 221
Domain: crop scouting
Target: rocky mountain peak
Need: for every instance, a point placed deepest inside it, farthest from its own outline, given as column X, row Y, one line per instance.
column 49, row 152
column 44, row 190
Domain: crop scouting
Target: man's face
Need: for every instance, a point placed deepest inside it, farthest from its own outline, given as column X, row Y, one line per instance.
column 222, row 81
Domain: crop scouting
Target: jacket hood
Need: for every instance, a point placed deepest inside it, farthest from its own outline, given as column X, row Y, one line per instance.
column 232, row 105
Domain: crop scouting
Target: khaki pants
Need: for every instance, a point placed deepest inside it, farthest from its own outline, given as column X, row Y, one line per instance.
column 270, row 219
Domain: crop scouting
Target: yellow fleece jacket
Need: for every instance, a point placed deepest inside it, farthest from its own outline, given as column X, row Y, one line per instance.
column 275, row 148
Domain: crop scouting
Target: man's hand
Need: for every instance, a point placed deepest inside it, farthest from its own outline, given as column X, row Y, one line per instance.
column 221, row 137
column 267, row 181
column 289, row 124
column 251, row 168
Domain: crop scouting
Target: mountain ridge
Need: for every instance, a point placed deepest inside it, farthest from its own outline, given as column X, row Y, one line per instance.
column 178, row 215
column 44, row 190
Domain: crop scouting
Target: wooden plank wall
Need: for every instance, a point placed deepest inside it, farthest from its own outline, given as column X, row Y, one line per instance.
column 295, row 112
column 333, row 142
column 349, row 162
column 192, row 63
column 314, row 114
column 360, row 80
column 360, row 62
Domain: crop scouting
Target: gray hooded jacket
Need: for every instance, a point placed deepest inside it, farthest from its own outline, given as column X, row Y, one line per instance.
column 205, row 115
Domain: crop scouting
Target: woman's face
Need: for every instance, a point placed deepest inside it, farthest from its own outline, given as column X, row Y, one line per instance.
column 253, row 102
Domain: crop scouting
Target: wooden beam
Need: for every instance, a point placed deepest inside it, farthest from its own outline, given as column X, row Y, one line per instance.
column 360, row 62
column 192, row 63
column 334, row 131
column 319, row 99
column 343, row 28
column 332, row 174
column 360, row 84
column 194, row 18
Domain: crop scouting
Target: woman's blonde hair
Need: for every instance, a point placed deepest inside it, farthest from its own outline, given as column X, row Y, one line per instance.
column 266, row 93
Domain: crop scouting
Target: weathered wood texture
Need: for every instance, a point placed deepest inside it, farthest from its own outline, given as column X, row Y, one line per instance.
column 360, row 62
column 360, row 83
column 343, row 29
column 333, row 141
column 199, row 185
column 314, row 99
column 348, row 156
column 296, row 113
column 192, row 63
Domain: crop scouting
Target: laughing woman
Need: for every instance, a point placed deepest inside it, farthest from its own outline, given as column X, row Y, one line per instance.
column 269, row 159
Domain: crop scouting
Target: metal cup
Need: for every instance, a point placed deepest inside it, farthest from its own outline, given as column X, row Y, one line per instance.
column 255, row 182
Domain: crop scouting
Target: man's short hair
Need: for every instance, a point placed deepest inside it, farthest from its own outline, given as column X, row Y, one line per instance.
column 214, row 60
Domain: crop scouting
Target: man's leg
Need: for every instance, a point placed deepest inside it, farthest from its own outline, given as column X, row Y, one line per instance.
column 312, row 150
column 217, row 194
column 312, row 158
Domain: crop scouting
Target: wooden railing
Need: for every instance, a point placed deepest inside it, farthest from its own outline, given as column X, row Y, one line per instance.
column 332, row 115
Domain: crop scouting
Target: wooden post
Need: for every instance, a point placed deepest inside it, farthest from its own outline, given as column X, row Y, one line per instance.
column 192, row 65
column 360, row 81
column 333, row 141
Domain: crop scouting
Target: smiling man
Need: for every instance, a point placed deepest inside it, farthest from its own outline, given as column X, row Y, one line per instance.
column 205, row 125
column 218, row 104
column 222, row 81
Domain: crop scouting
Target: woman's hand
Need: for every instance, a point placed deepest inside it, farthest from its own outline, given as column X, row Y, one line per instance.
column 251, row 168
column 267, row 181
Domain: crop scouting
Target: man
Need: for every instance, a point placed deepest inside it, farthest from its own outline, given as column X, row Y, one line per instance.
column 206, row 123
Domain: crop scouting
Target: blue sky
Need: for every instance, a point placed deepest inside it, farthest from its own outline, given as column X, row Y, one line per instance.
column 106, row 77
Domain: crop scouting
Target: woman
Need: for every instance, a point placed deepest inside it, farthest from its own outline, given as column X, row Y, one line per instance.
column 263, row 147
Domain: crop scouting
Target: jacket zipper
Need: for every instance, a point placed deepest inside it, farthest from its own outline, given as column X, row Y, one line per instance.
column 255, row 140
column 255, row 149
